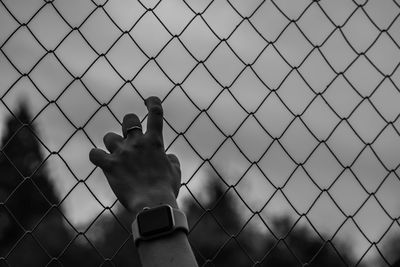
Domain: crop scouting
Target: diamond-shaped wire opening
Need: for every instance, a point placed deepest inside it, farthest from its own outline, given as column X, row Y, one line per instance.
column 271, row 68
column 227, row 113
column 315, row 25
column 48, row 27
column 50, row 77
column 249, row 90
column 386, row 147
column 386, row 194
column 316, row 72
column 277, row 165
column 251, row 139
column 347, row 193
column 359, row 31
column 338, row 11
column 201, row 88
column 234, row 161
column 388, row 7
column 224, row 65
column 301, row 191
column 132, row 12
column 74, row 46
column 199, row 38
column 99, row 31
column 366, row 122
column 338, row 52
column 292, row 46
column 269, row 21
column 273, row 115
column 74, row 11
column 151, row 80
column 324, row 212
column 374, row 227
column 369, row 171
column 204, row 136
column 385, row 99
column 298, row 141
column 221, row 18
column 341, row 96
column 320, row 119
column 384, row 54
column 176, row 61
column 150, row 33
column 295, row 93
column 246, row 42
column 23, row 50
column 344, row 144
column 126, row 57
column 174, row 14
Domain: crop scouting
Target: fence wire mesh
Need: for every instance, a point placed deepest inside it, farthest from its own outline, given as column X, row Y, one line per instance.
column 293, row 107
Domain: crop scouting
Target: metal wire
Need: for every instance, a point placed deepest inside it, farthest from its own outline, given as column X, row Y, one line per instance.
column 273, row 91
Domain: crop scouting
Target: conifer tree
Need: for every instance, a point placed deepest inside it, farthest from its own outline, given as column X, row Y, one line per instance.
column 26, row 193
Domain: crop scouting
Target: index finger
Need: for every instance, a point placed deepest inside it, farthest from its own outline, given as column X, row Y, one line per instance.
column 155, row 115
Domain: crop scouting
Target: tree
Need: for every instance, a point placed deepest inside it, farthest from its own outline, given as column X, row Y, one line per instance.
column 27, row 196
column 219, row 236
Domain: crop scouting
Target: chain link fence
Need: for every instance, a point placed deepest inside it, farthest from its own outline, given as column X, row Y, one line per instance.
column 291, row 105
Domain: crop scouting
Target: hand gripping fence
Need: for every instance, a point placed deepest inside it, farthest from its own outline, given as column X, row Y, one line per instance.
column 314, row 81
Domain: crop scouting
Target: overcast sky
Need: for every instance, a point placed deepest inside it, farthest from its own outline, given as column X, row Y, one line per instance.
column 314, row 66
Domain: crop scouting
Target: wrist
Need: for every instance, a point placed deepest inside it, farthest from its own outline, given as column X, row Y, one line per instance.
column 152, row 199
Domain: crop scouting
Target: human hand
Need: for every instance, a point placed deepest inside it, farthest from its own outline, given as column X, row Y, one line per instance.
column 137, row 168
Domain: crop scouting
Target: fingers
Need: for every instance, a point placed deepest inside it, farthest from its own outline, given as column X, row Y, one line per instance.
column 131, row 125
column 112, row 141
column 100, row 158
column 155, row 116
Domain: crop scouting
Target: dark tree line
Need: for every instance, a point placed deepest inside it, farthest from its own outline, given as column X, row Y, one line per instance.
column 33, row 231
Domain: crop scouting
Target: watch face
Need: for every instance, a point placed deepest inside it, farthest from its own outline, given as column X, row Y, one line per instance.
column 155, row 221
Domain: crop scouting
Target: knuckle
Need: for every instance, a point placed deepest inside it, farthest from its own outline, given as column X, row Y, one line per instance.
column 109, row 164
column 106, row 137
column 155, row 141
column 125, row 151
column 138, row 145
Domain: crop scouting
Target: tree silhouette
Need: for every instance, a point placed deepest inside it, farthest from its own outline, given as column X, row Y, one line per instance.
column 220, row 237
column 31, row 228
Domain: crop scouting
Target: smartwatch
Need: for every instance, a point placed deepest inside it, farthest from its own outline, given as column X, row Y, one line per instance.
column 151, row 223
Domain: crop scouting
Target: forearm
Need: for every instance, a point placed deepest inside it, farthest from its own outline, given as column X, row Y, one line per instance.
column 169, row 251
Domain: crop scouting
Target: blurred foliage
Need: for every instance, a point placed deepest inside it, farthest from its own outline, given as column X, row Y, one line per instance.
column 34, row 232
column 29, row 215
column 234, row 242
column 391, row 251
